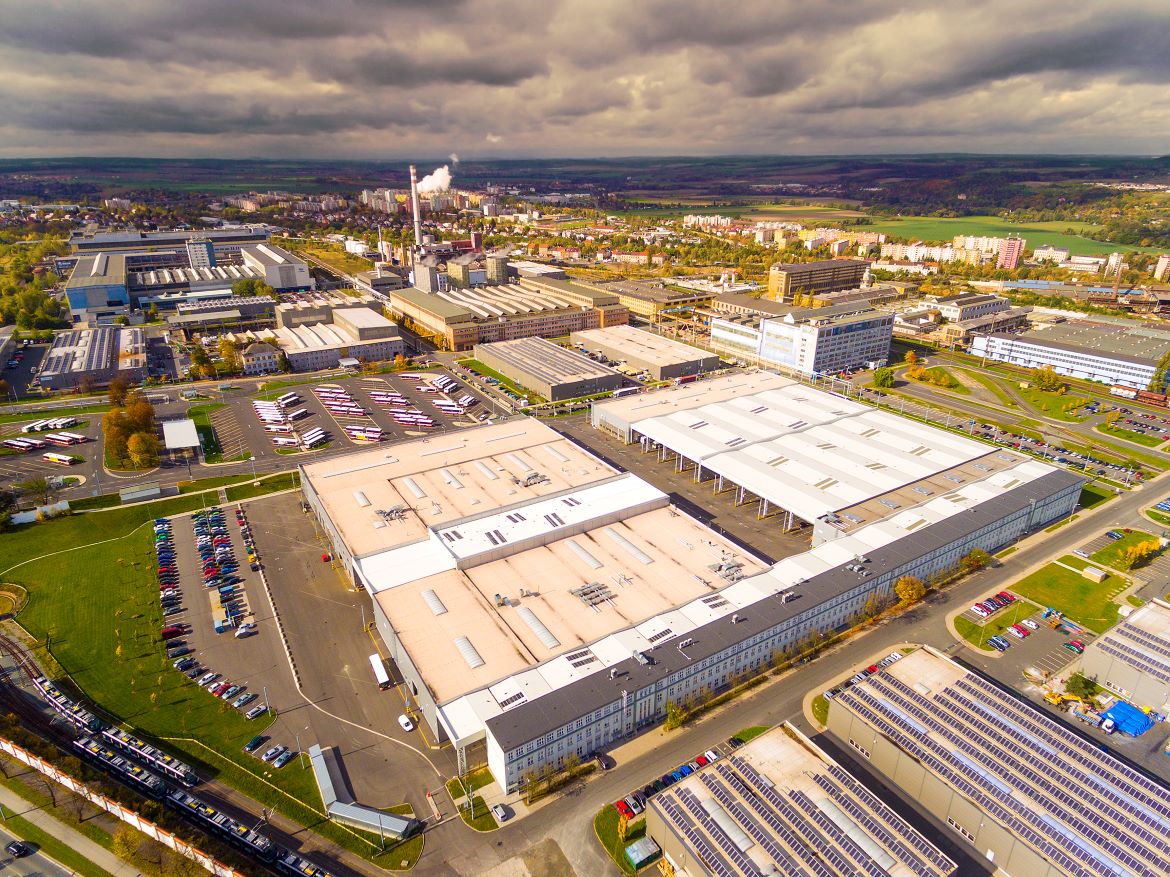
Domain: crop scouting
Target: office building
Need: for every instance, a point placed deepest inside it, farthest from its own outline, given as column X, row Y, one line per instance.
column 1133, row 659
column 549, row 370
column 321, row 338
column 1011, row 250
column 1049, row 253
column 1107, row 352
column 970, row 305
column 781, row 805
column 540, row 603
column 637, row 350
column 260, row 358
column 808, row 340
column 458, row 319
column 94, row 357
column 815, row 277
column 1028, row 793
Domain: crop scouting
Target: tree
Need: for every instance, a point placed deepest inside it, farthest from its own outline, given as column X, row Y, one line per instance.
column 7, row 505
column 975, row 559
column 909, row 590
column 884, row 378
column 5, row 389
column 911, row 358
column 38, row 488
column 1081, row 686
column 143, row 450
column 1045, row 378
column 230, row 354
column 282, row 362
column 400, row 361
column 1140, row 554
column 117, row 390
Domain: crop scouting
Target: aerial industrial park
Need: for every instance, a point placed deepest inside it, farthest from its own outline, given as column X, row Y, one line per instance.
column 798, row 508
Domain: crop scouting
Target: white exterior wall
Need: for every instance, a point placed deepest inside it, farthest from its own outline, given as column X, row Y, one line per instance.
column 1033, row 353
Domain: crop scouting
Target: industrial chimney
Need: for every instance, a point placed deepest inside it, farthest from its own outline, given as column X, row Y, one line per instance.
column 414, row 206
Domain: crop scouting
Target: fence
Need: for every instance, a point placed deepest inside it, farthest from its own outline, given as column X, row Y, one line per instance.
column 154, row 832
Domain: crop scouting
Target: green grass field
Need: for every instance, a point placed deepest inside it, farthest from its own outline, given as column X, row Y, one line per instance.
column 1053, row 405
column 750, row 212
column 1086, row 602
column 992, row 386
column 1092, row 495
column 201, row 415
column 1161, row 517
column 1113, row 554
column 978, row 634
column 605, row 825
column 937, row 230
column 751, row 733
column 1138, row 438
column 54, row 412
column 335, row 257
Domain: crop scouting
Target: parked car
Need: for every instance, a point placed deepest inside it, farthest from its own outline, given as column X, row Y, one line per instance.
column 283, row 759
column 500, row 813
column 254, row 744
column 272, row 753
column 1030, row 624
column 256, row 711
column 405, row 722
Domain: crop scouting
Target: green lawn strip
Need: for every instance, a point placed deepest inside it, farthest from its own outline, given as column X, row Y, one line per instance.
column 605, row 826
column 477, row 779
column 1113, row 554
column 51, row 847
column 1088, row 603
column 1006, row 552
column 1129, row 435
column 1054, row 405
column 1077, row 563
column 97, row 608
column 272, row 484
column 820, row 709
column 938, row 378
column 201, row 415
column 1135, row 601
column 478, row 816
column 212, row 483
column 978, row 634
column 50, row 413
column 89, row 503
column 751, row 733
column 1092, row 495
column 507, row 383
column 1160, row 517
column 992, row 386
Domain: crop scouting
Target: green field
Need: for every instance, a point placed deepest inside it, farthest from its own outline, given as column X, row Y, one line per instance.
column 749, row 212
column 1113, row 554
column 605, row 826
column 1054, row 405
column 1138, row 438
column 937, row 230
column 1089, row 603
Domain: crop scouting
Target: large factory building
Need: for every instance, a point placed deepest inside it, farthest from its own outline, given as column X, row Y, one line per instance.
column 540, row 603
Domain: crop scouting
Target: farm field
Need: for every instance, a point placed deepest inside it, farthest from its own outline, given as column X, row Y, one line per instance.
column 749, row 212
column 936, row 229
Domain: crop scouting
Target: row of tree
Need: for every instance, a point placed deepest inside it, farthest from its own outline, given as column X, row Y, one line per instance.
column 129, row 429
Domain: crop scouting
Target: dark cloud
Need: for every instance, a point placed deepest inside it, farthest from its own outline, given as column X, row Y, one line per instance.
column 375, row 78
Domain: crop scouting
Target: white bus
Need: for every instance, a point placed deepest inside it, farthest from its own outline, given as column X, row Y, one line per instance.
column 36, row 426
column 75, row 437
column 284, row 441
column 63, row 423
column 310, row 439
column 408, row 376
column 278, row 428
column 297, row 413
column 327, row 387
column 17, row 445
column 59, row 440
column 34, row 443
column 59, row 459
column 288, row 399
column 380, row 674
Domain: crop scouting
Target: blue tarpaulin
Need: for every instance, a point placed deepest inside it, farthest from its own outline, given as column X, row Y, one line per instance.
column 1129, row 719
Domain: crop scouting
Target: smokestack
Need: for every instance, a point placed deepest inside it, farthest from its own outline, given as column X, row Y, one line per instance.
column 414, row 205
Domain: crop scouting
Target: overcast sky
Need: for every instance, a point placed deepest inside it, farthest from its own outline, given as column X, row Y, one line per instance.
column 500, row 78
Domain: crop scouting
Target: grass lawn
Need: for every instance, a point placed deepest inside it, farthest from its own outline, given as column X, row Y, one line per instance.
column 1135, row 601
column 605, row 826
column 979, row 634
column 1113, row 554
column 1160, row 517
column 97, row 610
column 937, row 230
column 50, row 846
column 272, row 484
column 1092, row 495
column 335, row 257
column 820, row 709
column 53, row 412
column 1077, row 563
column 751, row 733
column 1138, row 438
column 939, row 378
column 477, row 779
column 201, row 414
column 507, row 383
column 478, row 816
column 993, row 386
column 1054, row 405
column 1089, row 603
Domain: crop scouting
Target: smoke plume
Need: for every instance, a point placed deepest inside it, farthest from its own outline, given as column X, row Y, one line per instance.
column 436, row 181
column 454, row 159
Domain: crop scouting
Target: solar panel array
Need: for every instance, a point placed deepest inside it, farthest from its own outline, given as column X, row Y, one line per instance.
column 790, row 833
column 1079, row 807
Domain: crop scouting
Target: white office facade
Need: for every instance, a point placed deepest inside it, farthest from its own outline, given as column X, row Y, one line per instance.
column 1069, row 360
column 810, row 345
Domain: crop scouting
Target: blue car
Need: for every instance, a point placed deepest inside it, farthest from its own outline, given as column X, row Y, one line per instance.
column 685, row 770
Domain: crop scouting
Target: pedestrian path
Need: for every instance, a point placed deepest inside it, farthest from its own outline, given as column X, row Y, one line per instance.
column 48, row 823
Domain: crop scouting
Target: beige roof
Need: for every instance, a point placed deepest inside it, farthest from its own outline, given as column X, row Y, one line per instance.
column 679, row 547
column 384, row 476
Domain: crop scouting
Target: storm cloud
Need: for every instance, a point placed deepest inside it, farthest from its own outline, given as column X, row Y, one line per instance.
column 382, row 79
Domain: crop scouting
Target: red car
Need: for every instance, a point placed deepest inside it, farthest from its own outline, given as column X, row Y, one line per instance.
column 701, row 760
column 623, row 808
column 171, row 631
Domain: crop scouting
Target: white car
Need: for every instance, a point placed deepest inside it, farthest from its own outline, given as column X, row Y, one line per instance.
column 1014, row 633
column 1030, row 624
column 979, row 610
column 406, row 723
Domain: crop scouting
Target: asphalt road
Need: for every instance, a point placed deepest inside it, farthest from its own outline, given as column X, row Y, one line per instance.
column 36, row 865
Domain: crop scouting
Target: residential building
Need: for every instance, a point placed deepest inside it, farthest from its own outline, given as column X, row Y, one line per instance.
column 1049, row 253
column 1011, row 250
column 827, row 276
column 1162, row 268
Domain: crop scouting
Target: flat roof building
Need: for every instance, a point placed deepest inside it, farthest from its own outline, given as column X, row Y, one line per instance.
column 549, row 370
column 1111, row 353
column 663, row 358
column 95, row 357
column 1133, row 659
column 539, row 603
column 133, row 241
column 814, row 277
column 780, row 805
column 649, row 298
column 1028, row 793
column 356, row 332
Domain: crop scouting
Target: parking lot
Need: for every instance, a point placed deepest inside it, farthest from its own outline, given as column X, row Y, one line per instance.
column 333, row 699
column 18, row 467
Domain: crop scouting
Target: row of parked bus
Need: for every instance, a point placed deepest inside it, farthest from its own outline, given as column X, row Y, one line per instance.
column 53, row 425
column 59, row 439
column 338, row 401
column 402, row 412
